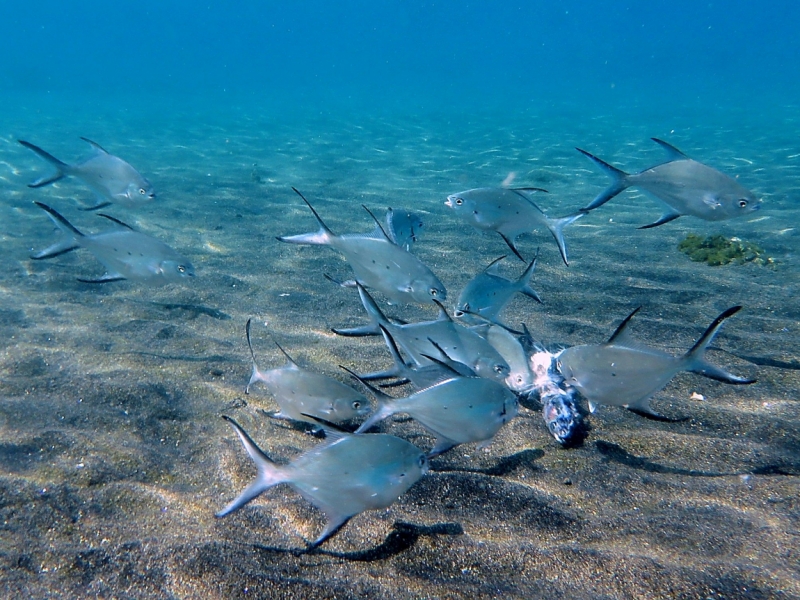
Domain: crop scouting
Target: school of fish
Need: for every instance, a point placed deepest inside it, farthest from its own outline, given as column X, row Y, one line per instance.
column 467, row 373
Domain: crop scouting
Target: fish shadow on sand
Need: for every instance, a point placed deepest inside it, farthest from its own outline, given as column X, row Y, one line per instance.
column 615, row 453
column 402, row 537
column 507, row 464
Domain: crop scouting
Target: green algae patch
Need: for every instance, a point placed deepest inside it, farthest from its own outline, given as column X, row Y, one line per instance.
column 718, row 250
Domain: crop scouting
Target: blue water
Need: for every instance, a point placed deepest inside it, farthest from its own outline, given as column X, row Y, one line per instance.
column 113, row 457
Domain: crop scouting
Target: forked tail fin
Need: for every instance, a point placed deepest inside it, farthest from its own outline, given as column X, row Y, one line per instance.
column 695, row 357
column 321, row 237
column 269, row 474
column 61, row 167
column 619, row 184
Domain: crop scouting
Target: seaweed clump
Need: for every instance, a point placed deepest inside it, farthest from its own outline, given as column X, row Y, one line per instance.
column 718, row 250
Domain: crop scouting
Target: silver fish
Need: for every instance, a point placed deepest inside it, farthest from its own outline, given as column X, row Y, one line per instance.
column 125, row 253
column 488, row 293
column 519, row 377
column 110, row 177
column 623, row 372
column 686, row 186
column 457, row 411
column 343, row 476
column 509, row 212
column 301, row 393
column 378, row 263
column 420, row 376
column 428, row 338
column 401, row 226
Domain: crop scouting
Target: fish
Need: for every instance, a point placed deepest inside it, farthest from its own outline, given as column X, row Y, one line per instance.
column 509, row 212
column 426, row 339
column 459, row 410
column 419, row 376
column 624, row 372
column 402, row 227
column 108, row 176
column 344, row 476
column 508, row 345
column 378, row 262
column 560, row 409
column 488, row 293
column 307, row 396
column 125, row 253
column 685, row 186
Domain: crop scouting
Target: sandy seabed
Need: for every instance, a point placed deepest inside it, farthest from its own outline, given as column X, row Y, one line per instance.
column 114, row 458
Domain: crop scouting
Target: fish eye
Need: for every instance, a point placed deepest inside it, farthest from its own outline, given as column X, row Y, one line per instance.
column 459, row 201
column 142, row 191
column 181, row 269
column 434, row 292
column 422, row 461
column 742, row 203
column 356, row 405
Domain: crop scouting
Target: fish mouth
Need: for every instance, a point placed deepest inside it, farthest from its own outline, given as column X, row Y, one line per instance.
column 449, row 201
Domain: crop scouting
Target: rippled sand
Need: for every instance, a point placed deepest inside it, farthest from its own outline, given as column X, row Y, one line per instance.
column 113, row 455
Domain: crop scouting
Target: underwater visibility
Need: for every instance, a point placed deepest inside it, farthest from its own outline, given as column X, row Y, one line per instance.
column 197, row 401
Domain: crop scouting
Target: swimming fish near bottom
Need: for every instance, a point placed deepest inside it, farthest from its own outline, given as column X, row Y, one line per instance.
column 457, row 411
column 344, row 476
column 623, row 372
column 125, row 253
column 304, row 395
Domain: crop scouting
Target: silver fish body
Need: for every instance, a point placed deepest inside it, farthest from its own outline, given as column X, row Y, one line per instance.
column 342, row 477
column 304, row 395
column 378, row 263
column 685, row 186
column 424, row 339
column 126, row 254
column 520, row 377
column 488, row 293
column 509, row 212
column 457, row 411
column 623, row 372
column 110, row 177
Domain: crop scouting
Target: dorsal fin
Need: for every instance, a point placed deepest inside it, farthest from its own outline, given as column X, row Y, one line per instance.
column 528, row 189
column 115, row 220
column 286, row 354
column 378, row 223
column 672, row 152
column 316, row 215
column 492, row 268
column 620, row 334
column 443, row 315
column 95, row 145
column 375, row 391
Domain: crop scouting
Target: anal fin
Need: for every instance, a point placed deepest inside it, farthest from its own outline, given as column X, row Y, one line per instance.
column 668, row 216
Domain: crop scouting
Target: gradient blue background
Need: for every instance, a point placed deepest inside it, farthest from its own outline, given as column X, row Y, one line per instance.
column 436, row 54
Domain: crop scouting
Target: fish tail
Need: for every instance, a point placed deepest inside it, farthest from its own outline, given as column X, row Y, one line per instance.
column 524, row 282
column 269, row 474
column 321, row 237
column 695, row 357
column 619, row 184
column 256, row 374
column 61, row 167
column 383, row 411
column 376, row 317
column 62, row 246
column 556, row 227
